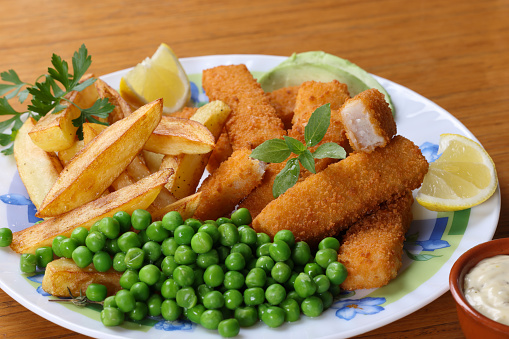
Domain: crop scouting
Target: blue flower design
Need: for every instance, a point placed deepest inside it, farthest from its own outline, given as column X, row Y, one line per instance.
column 38, row 280
column 432, row 244
column 347, row 309
column 198, row 97
column 177, row 325
column 19, row 200
column 430, row 151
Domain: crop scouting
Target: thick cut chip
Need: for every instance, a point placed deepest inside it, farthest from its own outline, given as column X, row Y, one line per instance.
column 128, row 199
column 186, row 207
column 178, row 135
column 93, row 169
column 37, row 168
column 122, row 108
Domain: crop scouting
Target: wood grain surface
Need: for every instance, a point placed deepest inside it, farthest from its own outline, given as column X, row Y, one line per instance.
column 455, row 52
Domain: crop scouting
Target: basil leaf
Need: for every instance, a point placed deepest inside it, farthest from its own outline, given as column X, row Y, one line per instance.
column 286, row 178
column 329, row 150
column 274, row 150
column 294, row 145
column 307, row 160
column 317, row 125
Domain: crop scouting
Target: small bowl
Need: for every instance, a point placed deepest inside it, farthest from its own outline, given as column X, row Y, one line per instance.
column 473, row 323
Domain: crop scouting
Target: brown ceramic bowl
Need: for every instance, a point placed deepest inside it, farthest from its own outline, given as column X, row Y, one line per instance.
column 473, row 323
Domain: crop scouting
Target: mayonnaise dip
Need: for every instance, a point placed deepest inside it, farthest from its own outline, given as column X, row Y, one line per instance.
column 486, row 288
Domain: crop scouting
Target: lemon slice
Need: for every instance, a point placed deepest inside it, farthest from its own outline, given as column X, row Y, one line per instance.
column 463, row 176
column 161, row 76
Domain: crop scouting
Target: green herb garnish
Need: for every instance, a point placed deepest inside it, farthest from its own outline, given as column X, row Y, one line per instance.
column 47, row 96
column 277, row 150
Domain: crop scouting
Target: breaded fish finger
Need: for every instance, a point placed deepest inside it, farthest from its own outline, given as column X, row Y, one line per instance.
column 330, row 201
column 372, row 248
column 233, row 180
column 368, row 121
column 283, row 100
column 253, row 120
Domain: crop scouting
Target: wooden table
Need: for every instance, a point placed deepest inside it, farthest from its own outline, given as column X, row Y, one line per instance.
column 453, row 52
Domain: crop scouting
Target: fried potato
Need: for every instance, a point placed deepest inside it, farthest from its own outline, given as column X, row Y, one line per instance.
column 139, row 195
column 67, row 154
column 93, row 169
column 32, row 161
column 186, row 207
column 56, row 132
column 179, row 135
column 63, row 275
column 122, row 108
column 91, row 130
column 152, row 160
column 189, row 168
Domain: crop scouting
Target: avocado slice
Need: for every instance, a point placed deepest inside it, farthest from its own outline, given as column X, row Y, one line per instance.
column 320, row 66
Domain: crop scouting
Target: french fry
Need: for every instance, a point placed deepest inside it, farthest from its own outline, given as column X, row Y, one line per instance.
column 93, row 169
column 91, row 130
column 37, row 168
column 179, row 135
column 139, row 195
column 153, row 160
column 67, row 154
column 55, row 131
column 186, row 207
column 122, row 108
column 189, row 168
column 63, row 275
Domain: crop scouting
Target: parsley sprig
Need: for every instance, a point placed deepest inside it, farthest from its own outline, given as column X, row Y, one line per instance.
column 279, row 150
column 48, row 96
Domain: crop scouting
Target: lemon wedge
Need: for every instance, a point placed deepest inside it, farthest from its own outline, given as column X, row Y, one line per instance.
column 463, row 176
column 161, row 76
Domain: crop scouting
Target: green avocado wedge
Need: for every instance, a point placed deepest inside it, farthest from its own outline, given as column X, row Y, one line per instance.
column 320, row 66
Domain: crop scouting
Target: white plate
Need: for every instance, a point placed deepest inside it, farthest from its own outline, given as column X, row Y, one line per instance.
column 443, row 237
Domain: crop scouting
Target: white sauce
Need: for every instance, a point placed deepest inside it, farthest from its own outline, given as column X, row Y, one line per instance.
column 486, row 288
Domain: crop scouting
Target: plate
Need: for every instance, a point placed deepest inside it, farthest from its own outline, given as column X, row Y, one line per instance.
column 434, row 241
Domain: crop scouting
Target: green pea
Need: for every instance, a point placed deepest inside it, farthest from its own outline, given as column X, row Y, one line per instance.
column 79, row 234
column 246, row 316
column 280, row 251
column 286, row 236
column 44, row 255
column 292, row 310
column 334, row 289
column 194, row 313
column 82, row 256
column 211, row 230
column 275, row 294
column 149, row 274
column 254, row 296
column 210, row 319
column 235, row 261
column 265, row 262
column 242, row 216
column 202, row 290
column 223, row 220
column 228, row 328
column 152, row 251
column 322, row 283
column 184, row 275
column 183, row 234
column 142, row 235
column 125, row 301
column 140, row 291
column 124, row 220
column 304, row 285
column 262, row 238
column 169, row 246
column 140, row 219
column 139, row 312
column 184, row 255
column 194, row 223
column 312, row 306
column 96, row 292
column 201, row 242
column 248, row 236
column 102, row 261
column 111, row 316
column 172, row 220
column 244, row 249
column 156, row 232
column 204, row 260
column 95, row 241
column 213, row 276
column 329, row 242
column 336, row 272
column 128, row 240
column 119, row 262
column 262, row 308
column 313, row 269
column 186, row 297
column 111, row 246
column 169, row 289
column 55, row 245
column 233, row 299
column 295, row 296
column 256, row 278
column 301, row 253
column 263, row 249
column 281, row 272
column 327, row 299
column 109, row 227
column 67, row 246
column 27, row 263
column 154, row 305
column 128, row 279
column 170, row 310
column 134, row 258
column 291, row 281
column 233, row 280
column 229, row 234
column 326, row 256
column 198, row 276
column 213, row 300
column 110, row 301
column 274, row 316
column 223, row 252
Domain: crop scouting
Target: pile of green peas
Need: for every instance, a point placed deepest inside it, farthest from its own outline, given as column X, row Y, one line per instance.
column 220, row 274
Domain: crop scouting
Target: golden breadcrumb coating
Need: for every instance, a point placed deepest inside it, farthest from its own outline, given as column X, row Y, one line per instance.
column 225, row 187
column 328, row 202
column 222, row 151
column 372, row 248
column 368, row 121
column 283, row 100
column 253, row 120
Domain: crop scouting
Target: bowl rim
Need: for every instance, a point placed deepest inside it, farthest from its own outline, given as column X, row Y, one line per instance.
column 463, row 265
